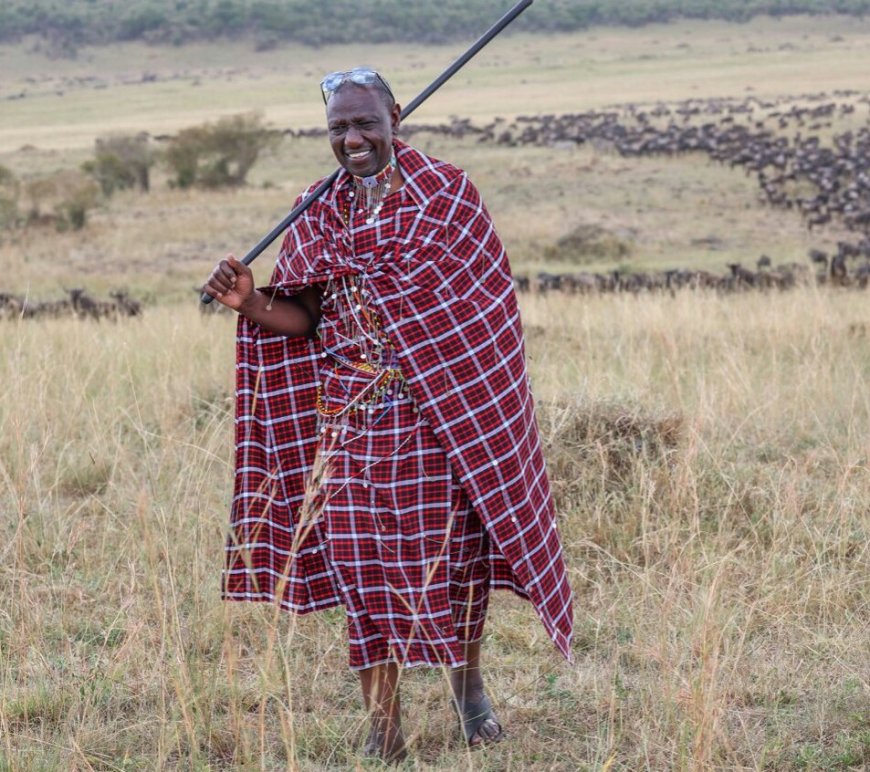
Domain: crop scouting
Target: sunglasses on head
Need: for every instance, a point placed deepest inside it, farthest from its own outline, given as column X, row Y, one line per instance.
column 362, row 76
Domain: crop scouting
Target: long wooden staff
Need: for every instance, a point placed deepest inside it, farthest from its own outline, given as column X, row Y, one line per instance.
column 422, row 97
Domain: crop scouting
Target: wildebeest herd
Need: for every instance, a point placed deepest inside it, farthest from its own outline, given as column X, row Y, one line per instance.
column 823, row 181
column 737, row 279
column 78, row 304
column 779, row 141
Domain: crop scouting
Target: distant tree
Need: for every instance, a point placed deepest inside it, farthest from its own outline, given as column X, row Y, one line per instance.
column 140, row 20
column 121, row 162
column 227, row 17
column 219, row 154
column 67, row 24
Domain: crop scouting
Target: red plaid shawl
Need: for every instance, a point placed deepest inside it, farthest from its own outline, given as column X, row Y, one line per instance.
column 442, row 285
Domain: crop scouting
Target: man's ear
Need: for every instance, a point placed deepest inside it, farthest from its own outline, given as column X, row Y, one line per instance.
column 396, row 116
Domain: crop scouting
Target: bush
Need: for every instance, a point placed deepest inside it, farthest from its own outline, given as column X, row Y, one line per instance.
column 587, row 243
column 121, row 162
column 9, row 191
column 63, row 199
column 220, row 154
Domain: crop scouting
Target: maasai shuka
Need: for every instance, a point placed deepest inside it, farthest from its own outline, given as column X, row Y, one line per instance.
column 440, row 281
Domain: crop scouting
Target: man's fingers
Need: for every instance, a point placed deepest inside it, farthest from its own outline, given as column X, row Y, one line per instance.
column 223, row 278
column 227, row 271
column 221, row 282
column 237, row 266
column 224, row 283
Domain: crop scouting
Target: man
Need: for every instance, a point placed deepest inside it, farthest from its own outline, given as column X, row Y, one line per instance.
column 387, row 456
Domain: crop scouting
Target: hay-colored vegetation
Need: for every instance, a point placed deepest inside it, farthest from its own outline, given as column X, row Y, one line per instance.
column 709, row 457
column 709, row 454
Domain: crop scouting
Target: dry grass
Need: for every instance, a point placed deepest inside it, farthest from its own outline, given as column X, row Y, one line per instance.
column 710, row 461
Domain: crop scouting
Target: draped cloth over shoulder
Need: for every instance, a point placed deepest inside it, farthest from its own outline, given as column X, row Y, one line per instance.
column 441, row 283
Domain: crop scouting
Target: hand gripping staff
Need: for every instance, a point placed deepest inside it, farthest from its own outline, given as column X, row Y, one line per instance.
column 422, row 97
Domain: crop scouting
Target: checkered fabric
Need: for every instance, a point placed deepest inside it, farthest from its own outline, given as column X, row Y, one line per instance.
column 410, row 554
column 442, row 288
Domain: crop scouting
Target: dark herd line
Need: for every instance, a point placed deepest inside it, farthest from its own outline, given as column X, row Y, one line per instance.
column 777, row 141
column 823, row 180
column 738, row 279
column 78, row 304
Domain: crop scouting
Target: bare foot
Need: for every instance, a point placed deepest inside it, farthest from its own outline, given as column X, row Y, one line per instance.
column 380, row 686
column 389, row 746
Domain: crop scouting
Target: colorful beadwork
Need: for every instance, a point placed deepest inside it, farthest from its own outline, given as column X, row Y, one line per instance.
column 352, row 338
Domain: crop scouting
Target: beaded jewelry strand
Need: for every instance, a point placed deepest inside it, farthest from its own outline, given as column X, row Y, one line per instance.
column 369, row 193
column 376, row 357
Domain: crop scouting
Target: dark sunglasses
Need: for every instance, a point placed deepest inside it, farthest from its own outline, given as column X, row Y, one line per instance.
column 362, row 76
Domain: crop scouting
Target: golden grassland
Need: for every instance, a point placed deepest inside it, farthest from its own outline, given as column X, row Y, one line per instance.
column 709, row 457
column 709, row 454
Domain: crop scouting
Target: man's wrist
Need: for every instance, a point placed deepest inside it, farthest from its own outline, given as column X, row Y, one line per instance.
column 253, row 304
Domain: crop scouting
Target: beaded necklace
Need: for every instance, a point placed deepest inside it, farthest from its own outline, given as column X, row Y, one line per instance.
column 369, row 193
column 355, row 321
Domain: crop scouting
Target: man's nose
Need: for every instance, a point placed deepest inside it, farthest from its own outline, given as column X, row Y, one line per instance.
column 353, row 137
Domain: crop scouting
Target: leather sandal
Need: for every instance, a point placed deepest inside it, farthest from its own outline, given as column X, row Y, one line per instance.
column 474, row 715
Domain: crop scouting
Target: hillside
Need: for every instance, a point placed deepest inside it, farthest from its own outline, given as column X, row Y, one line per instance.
column 65, row 25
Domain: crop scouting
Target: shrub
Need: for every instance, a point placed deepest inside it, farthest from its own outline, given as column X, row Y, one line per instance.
column 63, row 198
column 588, row 243
column 220, row 154
column 121, row 162
column 9, row 190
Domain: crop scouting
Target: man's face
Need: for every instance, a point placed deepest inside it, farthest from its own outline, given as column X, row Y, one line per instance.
column 361, row 127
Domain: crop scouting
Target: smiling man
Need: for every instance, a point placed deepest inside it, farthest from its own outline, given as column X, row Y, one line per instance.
column 387, row 455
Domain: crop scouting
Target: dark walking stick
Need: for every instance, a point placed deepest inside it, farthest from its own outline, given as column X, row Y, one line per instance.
column 415, row 103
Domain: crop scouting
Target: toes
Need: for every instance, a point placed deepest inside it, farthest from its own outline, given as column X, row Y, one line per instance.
column 489, row 731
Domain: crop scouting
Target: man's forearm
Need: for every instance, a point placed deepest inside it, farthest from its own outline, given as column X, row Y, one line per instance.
column 281, row 315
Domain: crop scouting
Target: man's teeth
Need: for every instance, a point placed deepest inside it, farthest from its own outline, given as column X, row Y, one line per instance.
column 359, row 154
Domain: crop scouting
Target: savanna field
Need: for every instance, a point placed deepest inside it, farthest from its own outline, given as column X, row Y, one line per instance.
column 708, row 449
